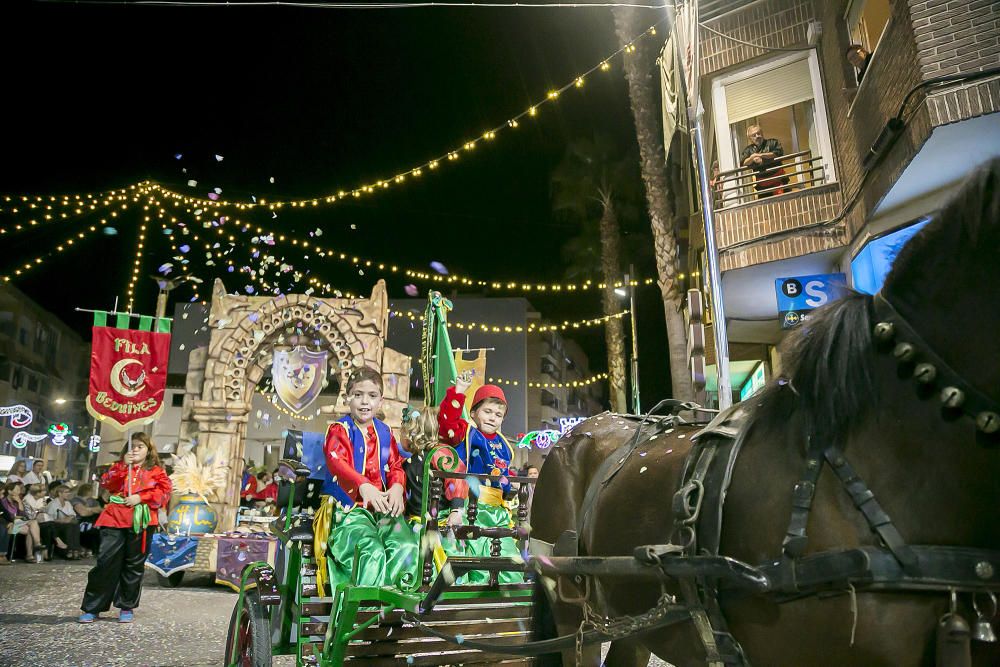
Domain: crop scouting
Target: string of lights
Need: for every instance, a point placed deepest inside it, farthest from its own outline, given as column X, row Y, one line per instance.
column 516, row 328
column 552, row 385
column 137, row 265
column 261, row 235
column 272, row 237
column 26, row 212
column 62, row 247
column 419, row 170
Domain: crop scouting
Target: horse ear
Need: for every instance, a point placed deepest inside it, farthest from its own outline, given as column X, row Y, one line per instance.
column 966, row 229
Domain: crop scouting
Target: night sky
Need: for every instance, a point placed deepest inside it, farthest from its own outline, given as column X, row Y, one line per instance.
column 97, row 97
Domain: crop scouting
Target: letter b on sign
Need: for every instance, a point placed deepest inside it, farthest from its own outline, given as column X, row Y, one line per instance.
column 791, row 288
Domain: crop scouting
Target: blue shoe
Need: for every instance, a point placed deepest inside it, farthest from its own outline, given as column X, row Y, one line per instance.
column 87, row 618
column 126, row 616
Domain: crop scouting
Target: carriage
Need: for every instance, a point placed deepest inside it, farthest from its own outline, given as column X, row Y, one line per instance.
column 283, row 611
column 843, row 517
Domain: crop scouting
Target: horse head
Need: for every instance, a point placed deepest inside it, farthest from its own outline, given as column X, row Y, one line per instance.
column 946, row 282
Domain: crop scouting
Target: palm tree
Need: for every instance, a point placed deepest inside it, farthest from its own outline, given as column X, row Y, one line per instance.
column 662, row 185
column 589, row 184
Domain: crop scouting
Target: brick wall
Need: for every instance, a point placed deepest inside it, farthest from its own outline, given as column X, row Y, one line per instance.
column 773, row 23
column 923, row 39
column 800, row 210
column 955, row 36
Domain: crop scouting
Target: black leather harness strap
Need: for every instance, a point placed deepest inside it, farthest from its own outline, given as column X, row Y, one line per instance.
column 876, row 517
column 794, row 544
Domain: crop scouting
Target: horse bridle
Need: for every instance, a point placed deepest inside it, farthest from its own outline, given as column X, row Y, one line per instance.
column 892, row 566
column 931, row 372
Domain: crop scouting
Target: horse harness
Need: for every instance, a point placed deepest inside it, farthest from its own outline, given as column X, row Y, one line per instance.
column 893, row 566
column 692, row 557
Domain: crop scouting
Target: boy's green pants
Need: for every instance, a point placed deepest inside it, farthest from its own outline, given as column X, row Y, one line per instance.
column 387, row 548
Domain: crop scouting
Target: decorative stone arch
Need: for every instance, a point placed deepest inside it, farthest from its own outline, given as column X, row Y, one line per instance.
column 244, row 332
column 238, row 370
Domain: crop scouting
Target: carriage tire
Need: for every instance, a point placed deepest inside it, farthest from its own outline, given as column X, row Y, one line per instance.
column 253, row 645
column 173, row 581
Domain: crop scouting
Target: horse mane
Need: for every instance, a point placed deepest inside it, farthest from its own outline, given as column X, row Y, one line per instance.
column 828, row 380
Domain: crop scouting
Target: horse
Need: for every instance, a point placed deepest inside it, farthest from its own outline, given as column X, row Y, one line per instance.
column 848, row 383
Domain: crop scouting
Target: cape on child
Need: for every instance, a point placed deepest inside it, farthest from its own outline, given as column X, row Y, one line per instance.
column 485, row 451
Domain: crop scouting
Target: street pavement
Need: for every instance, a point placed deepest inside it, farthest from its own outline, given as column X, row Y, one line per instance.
column 174, row 627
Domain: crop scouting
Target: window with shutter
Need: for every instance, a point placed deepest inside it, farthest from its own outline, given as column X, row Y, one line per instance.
column 783, row 96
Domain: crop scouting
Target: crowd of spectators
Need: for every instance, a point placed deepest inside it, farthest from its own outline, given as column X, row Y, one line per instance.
column 41, row 518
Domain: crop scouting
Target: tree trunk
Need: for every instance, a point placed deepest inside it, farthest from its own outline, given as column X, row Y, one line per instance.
column 614, row 330
column 640, row 74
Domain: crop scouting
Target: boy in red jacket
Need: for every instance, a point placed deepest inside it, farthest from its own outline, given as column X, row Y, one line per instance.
column 367, row 486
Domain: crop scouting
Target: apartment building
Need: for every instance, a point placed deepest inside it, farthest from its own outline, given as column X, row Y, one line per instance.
column 558, row 362
column 869, row 153
column 43, row 360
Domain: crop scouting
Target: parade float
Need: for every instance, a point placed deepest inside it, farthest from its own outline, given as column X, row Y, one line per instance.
column 288, row 348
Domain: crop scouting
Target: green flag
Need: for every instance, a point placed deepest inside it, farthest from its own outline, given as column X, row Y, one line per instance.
column 438, row 358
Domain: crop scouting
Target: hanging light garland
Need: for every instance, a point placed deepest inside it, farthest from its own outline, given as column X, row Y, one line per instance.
column 516, row 328
column 418, row 171
column 62, row 247
column 137, row 265
column 272, row 237
column 586, row 382
column 86, row 205
column 412, row 173
column 37, row 210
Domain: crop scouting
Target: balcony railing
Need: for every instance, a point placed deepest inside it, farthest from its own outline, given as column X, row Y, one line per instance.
column 791, row 173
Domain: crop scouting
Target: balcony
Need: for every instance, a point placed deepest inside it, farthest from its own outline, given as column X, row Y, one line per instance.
column 761, row 218
column 791, row 173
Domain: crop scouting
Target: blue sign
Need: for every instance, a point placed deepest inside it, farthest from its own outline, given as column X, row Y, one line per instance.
column 800, row 294
column 872, row 264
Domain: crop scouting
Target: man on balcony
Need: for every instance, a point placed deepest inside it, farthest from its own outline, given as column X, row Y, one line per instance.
column 762, row 156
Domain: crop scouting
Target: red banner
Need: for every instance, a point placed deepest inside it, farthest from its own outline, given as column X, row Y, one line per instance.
column 128, row 375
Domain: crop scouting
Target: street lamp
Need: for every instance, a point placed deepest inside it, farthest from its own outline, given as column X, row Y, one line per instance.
column 628, row 289
column 62, row 401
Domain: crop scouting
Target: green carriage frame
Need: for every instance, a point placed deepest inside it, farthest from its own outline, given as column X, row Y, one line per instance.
column 290, row 613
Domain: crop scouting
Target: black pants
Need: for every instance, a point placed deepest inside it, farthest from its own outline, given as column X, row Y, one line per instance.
column 118, row 573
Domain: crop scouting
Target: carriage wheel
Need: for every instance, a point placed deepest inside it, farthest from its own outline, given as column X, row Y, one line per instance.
column 173, row 581
column 253, row 636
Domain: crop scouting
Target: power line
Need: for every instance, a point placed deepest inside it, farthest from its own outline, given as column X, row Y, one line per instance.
column 357, row 5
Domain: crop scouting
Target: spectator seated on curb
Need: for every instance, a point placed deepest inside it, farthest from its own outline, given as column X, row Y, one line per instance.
column 12, row 506
column 4, row 535
column 35, row 502
column 36, row 476
column 67, row 525
column 87, row 508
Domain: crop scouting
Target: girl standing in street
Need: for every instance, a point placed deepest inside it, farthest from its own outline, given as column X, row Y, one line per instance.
column 139, row 487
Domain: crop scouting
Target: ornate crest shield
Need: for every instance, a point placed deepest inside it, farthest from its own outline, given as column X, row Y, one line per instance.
column 297, row 376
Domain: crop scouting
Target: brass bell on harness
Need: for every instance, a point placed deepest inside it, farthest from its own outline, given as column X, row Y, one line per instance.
column 983, row 631
column 953, row 646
